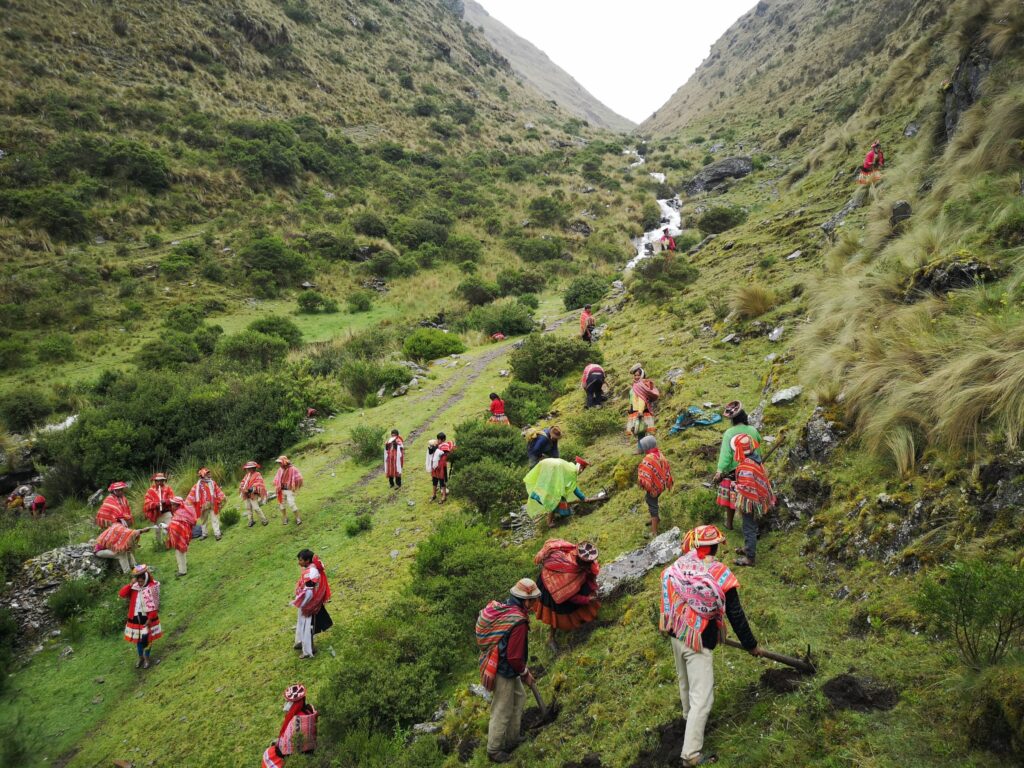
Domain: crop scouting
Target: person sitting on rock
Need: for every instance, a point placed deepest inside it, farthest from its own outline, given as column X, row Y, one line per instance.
column 568, row 585
column 550, row 483
column 118, row 542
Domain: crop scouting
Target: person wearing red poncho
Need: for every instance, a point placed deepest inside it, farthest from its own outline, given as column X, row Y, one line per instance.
column 394, row 459
column 287, row 481
column 156, row 506
column 118, row 542
column 311, row 594
column 642, row 396
column 653, row 475
column 204, row 501
column 115, row 507
column 587, row 324
column 253, row 491
column 593, row 384
column 143, row 626
column 298, row 731
column 179, row 532
column 568, row 585
column 497, row 409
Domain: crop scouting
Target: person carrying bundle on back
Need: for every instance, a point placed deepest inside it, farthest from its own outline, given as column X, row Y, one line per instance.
column 542, row 443
column 298, row 731
column 655, row 476
column 439, row 453
column 726, row 474
column 642, row 396
column 568, row 585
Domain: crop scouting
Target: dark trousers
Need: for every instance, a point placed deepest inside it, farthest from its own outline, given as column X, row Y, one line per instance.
column 652, row 504
column 395, row 482
column 594, row 394
column 750, row 535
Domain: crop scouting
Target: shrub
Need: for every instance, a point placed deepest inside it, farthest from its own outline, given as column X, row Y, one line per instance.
column 492, row 488
column 367, row 442
column 57, row 348
column 24, row 407
column 269, row 254
column 370, row 224
column 526, row 403
column 333, row 245
column 229, row 517
column 650, row 215
column 358, row 524
column 363, row 378
column 253, row 348
column 414, row 232
column 545, row 358
column 515, row 282
column 719, row 218
column 478, row 440
column 547, row 211
column 463, row 248
column 431, row 344
column 476, row 291
column 314, row 302
column 658, row 278
column 596, row 423
column 752, row 300
column 12, row 353
column 177, row 264
column 511, row 317
column 282, row 327
column 185, row 318
column 387, row 263
column 979, row 603
column 425, row 108
column 588, row 289
column 359, row 301
column 538, row 248
column 72, row 598
column 529, row 300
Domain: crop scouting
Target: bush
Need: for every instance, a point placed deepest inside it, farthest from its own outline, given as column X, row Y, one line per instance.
column 515, row 282
column 177, row 264
column 367, row 442
column 529, row 300
column 463, row 248
column 979, row 603
column 659, row 278
column 358, row 524
column 430, row 344
column 588, row 289
column 478, row 440
column 334, row 246
column 174, row 349
column 511, row 317
column 24, row 407
column 476, row 291
column 282, row 327
column 389, row 264
column 314, row 302
column 650, row 215
column 719, row 218
column 12, row 353
column 547, row 211
column 359, row 301
column 72, row 598
column 595, row 423
column 369, row 224
column 58, row 210
column 229, row 517
column 363, row 378
column 752, row 300
column 414, row 232
column 253, row 348
column 538, row 248
column 57, row 348
column 185, row 318
column 270, row 255
column 545, row 358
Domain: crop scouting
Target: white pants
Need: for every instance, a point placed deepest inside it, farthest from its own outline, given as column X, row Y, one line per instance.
column 159, row 532
column 125, row 559
column 696, row 672
column 288, row 497
column 182, row 562
column 205, row 519
column 252, row 507
column 304, row 633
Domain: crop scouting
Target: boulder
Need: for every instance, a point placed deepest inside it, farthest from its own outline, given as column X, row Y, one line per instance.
column 580, row 228
column 836, row 220
column 901, row 211
column 776, row 334
column 912, row 130
column 717, row 172
column 945, row 276
column 634, row 565
column 787, row 395
column 700, row 246
column 820, row 438
column 965, row 87
column 794, row 255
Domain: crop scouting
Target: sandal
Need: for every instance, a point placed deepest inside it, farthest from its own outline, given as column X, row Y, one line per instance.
column 703, row 760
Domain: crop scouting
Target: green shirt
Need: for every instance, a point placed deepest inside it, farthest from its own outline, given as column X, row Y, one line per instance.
column 726, row 462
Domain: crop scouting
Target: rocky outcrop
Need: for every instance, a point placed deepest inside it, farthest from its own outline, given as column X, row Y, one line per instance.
column 836, row 219
column 634, row 565
column 716, row 173
column 965, row 87
column 901, row 211
column 260, row 33
column 820, row 438
column 941, row 277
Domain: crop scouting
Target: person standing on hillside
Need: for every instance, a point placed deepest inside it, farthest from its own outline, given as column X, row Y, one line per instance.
column 593, row 384
column 497, row 409
column 394, row 459
column 502, row 636
column 118, row 542
column 568, row 585
column 179, row 533
column 750, row 493
column 642, row 396
column 156, row 506
column 253, row 490
column 653, row 475
column 875, row 158
column 439, row 464
column 287, row 481
column 668, row 243
column 204, row 501
column 311, row 595
column 725, row 473
column 697, row 592
column 115, row 507
column 298, row 731
column 542, row 443
column 550, row 483
column 143, row 625
column 587, row 324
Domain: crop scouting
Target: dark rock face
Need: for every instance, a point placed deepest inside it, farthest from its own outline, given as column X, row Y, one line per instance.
column 820, row 437
column 1000, row 489
column 580, row 228
column 729, row 168
column 901, row 211
column 965, row 87
column 947, row 276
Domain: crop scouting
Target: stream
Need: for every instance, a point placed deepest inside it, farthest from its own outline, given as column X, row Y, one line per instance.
column 647, row 244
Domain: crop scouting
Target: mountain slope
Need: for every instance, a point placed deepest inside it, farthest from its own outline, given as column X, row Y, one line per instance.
column 534, row 66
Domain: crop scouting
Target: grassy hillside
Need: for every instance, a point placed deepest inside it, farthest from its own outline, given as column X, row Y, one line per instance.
column 534, row 66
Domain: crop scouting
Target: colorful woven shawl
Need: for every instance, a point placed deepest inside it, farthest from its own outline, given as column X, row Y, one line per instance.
column 116, row 538
column 179, row 530
column 113, row 509
column 692, row 596
column 654, row 474
column 253, row 481
column 752, row 489
column 157, row 501
column 492, row 626
column 564, row 575
column 203, row 494
column 645, row 391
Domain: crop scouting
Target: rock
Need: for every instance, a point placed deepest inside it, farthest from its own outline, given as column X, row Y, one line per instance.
column 394, row 554
column 794, row 256
column 580, row 228
column 674, row 375
column 912, row 130
column 965, row 87
column 842, row 593
column 901, row 211
column 787, row 395
column 99, row 681
column 776, row 334
column 411, row 503
column 634, row 565
column 732, row 338
column 414, row 382
column 771, row 358
column 415, row 368
column 942, row 277
column 402, row 390
column 504, row 373
column 380, row 392
column 68, row 651
column 618, row 288
column 307, row 285
column 700, row 246
column 729, row 168
column 837, row 219
column 478, row 690
column 424, row 729
column 819, row 439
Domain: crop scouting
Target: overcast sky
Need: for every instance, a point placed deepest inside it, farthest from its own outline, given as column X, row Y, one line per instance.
column 631, row 54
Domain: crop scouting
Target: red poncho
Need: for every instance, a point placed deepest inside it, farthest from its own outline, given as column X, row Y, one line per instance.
column 586, row 322
column 654, row 474
column 116, row 538
column 563, row 573
column 286, row 478
column 157, row 501
column 592, row 368
column 202, row 494
column 112, row 509
column 394, row 457
column 252, row 485
column 321, row 589
column 179, row 530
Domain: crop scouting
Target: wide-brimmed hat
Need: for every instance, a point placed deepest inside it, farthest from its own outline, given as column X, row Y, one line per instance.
column 731, row 409
column 203, row 472
column 250, row 465
column 525, row 589
column 586, row 551
column 295, row 692
column 282, row 459
column 743, row 440
column 703, row 536
column 140, row 569
column 158, row 476
column 581, row 462
column 117, row 486
column 647, row 443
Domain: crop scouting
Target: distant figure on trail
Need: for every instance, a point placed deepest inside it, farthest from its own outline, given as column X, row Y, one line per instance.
column 542, row 443
column 668, row 243
column 115, row 507
column 653, row 475
column 642, row 396
column 725, row 473
column 311, row 594
column 568, row 585
column 497, row 410
column 550, row 484
column 874, row 163
column 298, row 731
column 118, row 542
column 179, row 533
column 287, row 482
column 587, row 324
column 593, row 384
column 156, row 506
column 253, row 491
column 394, row 459
column 697, row 593
column 502, row 636
column 438, row 464
column 204, row 501
column 143, row 625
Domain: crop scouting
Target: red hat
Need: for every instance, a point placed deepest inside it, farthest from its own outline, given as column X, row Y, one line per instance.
column 158, row 476
column 702, row 536
column 250, row 465
column 118, row 486
column 295, row 692
column 282, row 459
column 203, row 472
column 583, row 463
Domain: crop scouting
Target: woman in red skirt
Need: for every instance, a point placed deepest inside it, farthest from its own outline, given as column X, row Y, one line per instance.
column 568, row 585
column 143, row 626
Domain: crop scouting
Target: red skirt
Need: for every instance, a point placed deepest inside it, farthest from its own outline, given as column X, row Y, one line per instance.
column 135, row 630
column 567, row 616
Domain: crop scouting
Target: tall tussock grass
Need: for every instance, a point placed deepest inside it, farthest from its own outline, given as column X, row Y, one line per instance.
column 753, row 300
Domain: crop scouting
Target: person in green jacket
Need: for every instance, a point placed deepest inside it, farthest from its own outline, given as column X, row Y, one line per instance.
column 726, row 456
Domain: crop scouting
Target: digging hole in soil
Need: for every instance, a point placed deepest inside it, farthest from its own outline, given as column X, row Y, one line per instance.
column 593, row 760
column 668, row 749
column 781, row 680
column 533, row 719
column 859, row 694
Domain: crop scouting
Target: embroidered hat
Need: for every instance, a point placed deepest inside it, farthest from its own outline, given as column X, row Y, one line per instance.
column 117, row 486
column 177, row 500
column 295, row 692
column 583, row 463
column 586, row 551
column 744, row 441
column 158, row 476
column 702, row 536
column 204, row 472
column 250, row 465
column 140, row 569
column 638, row 368
column 647, row 443
column 731, row 409
column 525, row 589
column 282, row 459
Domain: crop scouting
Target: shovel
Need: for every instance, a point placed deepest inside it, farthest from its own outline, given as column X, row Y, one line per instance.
column 800, row 665
column 540, row 702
